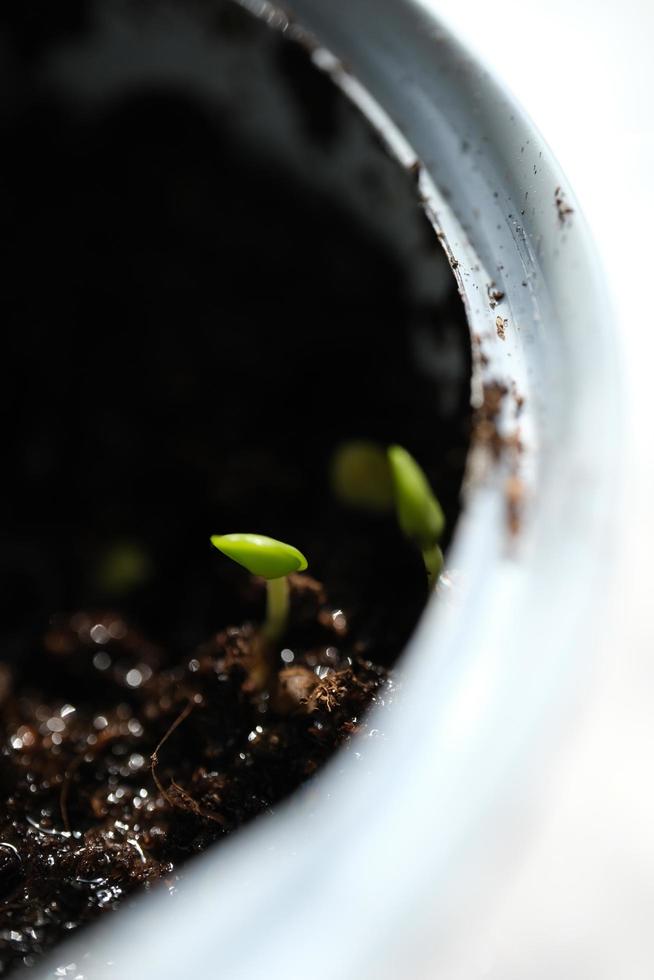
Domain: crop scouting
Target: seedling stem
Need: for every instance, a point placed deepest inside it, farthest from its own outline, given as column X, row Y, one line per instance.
column 274, row 561
column 277, row 608
column 418, row 511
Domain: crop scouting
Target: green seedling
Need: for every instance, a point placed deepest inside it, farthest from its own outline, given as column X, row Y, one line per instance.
column 418, row 511
column 123, row 567
column 272, row 560
column 360, row 476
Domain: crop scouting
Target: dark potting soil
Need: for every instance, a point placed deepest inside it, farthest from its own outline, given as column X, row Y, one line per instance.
column 121, row 762
column 189, row 332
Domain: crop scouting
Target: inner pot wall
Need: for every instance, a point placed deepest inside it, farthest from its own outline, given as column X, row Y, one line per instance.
column 387, row 850
column 140, row 204
column 162, row 169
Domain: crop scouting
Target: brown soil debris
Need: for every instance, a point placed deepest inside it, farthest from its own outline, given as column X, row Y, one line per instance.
column 562, row 207
column 487, row 434
column 485, row 430
column 495, row 295
column 295, row 685
column 515, row 493
column 500, row 326
column 120, row 760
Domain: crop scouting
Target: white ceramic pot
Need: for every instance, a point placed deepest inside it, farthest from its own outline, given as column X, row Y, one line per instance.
column 391, row 863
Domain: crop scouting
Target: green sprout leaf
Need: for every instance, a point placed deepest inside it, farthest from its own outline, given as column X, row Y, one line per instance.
column 273, row 560
column 418, row 511
column 260, row 555
column 360, row 476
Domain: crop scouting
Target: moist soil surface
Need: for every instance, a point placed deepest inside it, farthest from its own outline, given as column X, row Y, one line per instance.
column 189, row 332
column 122, row 761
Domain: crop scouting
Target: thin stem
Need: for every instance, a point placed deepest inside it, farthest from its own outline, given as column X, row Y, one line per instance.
column 277, row 607
column 433, row 559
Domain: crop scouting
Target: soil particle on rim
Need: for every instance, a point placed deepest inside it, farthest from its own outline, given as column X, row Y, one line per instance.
column 515, row 494
column 508, row 447
column 485, row 421
column 562, row 207
column 495, row 295
column 500, row 326
column 518, row 399
column 415, row 171
column 480, row 355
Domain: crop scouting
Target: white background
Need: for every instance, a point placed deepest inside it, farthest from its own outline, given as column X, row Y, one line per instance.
column 582, row 902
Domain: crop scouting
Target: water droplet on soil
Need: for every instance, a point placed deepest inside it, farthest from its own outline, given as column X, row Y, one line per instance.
column 100, row 634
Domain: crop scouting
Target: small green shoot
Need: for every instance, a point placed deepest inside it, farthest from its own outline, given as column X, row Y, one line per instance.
column 272, row 560
column 124, row 566
column 360, row 476
column 418, row 511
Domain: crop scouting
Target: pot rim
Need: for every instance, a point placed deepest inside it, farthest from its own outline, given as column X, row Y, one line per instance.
column 405, row 834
